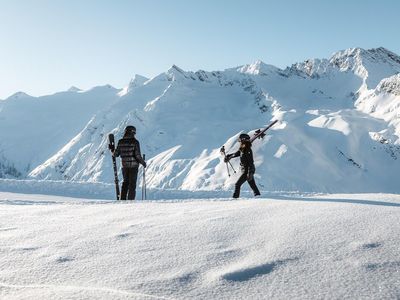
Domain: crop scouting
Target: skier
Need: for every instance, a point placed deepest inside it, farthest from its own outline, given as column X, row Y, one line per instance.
column 246, row 163
column 129, row 150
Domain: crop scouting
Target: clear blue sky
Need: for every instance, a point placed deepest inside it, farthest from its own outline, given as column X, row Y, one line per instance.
column 50, row 45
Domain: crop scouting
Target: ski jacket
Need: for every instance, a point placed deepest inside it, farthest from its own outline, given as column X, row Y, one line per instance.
column 246, row 155
column 129, row 150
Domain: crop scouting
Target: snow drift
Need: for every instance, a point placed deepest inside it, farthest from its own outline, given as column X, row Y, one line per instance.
column 289, row 246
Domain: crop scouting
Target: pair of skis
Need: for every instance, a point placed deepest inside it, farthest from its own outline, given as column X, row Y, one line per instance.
column 111, row 146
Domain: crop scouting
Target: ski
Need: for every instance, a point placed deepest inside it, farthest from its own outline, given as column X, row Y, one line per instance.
column 111, row 146
column 260, row 133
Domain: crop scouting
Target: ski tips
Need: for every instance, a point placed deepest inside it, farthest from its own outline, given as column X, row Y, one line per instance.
column 111, row 138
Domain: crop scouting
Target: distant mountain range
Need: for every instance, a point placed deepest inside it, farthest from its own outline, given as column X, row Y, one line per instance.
column 338, row 129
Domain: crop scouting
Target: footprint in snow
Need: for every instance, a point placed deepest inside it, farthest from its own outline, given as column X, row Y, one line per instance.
column 245, row 274
column 64, row 259
column 122, row 235
column 8, row 228
column 370, row 246
column 394, row 266
column 28, row 248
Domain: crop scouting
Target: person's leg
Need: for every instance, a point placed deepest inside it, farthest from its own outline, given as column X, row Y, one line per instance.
column 125, row 183
column 133, row 172
column 238, row 184
column 254, row 187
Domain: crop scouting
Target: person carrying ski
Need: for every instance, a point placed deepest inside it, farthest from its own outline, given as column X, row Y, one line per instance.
column 129, row 150
column 247, row 165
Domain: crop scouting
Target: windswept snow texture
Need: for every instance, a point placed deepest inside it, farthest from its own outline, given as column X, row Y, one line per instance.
column 289, row 246
column 338, row 128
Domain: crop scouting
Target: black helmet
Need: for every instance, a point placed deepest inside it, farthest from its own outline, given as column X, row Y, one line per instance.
column 244, row 137
column 130, row 129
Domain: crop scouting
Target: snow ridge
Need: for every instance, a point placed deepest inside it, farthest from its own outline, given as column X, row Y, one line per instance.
column 371, row 65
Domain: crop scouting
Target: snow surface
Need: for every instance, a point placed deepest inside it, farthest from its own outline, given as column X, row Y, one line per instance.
column 283, row 246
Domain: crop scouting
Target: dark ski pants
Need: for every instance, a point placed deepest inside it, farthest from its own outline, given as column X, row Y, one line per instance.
column 129, row 183
column 245, row 177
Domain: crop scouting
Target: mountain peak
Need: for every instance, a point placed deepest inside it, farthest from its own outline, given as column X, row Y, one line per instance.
column 175, row 70
column 103, row 88
column 136, row 81
column 384, row 55
column 19, row 95
column 258, row 68
column 311, row 67
column 371, row 65
column 360, row 55
column 74, row 89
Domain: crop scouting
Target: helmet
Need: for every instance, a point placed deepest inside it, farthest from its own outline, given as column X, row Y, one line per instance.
column 130, row 129
column 244, row 137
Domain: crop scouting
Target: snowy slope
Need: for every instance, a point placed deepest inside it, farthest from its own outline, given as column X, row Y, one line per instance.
column 384, row 103
column 338, row 129
column 291, row 246
column 33, row 129
column 182, row 119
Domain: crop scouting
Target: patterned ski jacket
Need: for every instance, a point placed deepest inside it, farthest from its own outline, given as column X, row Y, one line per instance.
column 129, row 150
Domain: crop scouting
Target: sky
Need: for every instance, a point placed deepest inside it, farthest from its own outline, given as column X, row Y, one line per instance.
column 47, row 46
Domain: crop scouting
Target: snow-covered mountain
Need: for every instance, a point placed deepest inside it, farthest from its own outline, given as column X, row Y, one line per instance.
column 338, row 126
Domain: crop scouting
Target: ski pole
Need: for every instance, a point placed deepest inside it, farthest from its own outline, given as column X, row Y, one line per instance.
column 227, row 168
column 222, row 150
column 144, row 181
column 234, row 171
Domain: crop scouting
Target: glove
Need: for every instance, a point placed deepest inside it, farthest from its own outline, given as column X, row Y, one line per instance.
column 227, row 158
column 144, row 164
